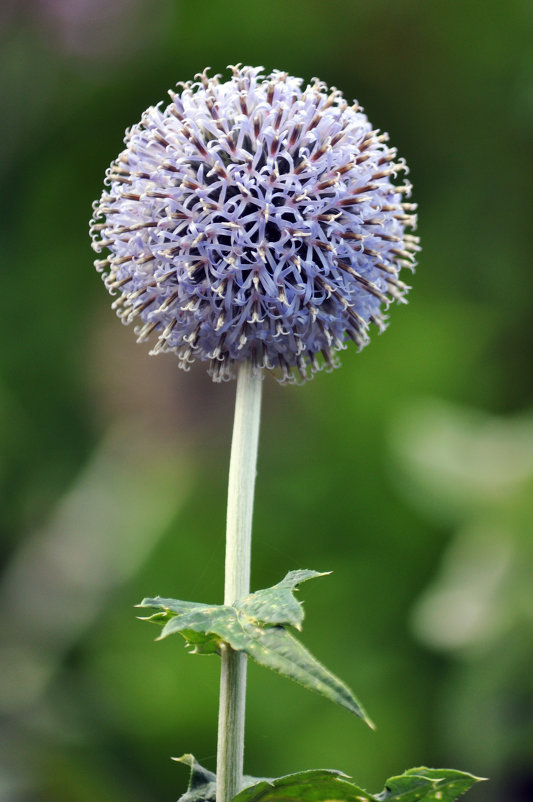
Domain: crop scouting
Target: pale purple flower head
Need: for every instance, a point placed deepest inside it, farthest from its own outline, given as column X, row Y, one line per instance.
column 255, row 219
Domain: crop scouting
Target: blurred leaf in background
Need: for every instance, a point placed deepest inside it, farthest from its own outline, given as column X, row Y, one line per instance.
column 113, row 466
column 475, row 471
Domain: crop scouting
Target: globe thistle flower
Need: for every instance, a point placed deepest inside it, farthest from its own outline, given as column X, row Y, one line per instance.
column 255, row 219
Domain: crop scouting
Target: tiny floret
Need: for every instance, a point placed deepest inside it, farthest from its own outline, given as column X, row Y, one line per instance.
column 255, row 219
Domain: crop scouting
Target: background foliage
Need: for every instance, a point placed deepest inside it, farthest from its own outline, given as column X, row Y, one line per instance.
column 408, row 472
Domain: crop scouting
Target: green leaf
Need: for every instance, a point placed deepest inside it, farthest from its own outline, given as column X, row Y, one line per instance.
column 256, row 625
column 428, row 785
column 318, row 785
column 327, row 785
column 277, row 605
column 202, row 783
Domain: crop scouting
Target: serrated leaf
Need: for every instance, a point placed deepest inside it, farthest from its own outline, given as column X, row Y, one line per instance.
column 327, row 785
column 320, row 785
column 324, row 785
column 272, row 647
column 428, row 785
column 253, row 626
column 173, row 605
column 277, row 605
column 277, row 649
column 202, row 782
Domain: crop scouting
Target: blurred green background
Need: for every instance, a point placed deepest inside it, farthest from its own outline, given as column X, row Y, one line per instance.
column 408, row 472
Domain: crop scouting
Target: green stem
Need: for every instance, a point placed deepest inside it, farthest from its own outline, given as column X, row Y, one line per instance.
column 242, row 470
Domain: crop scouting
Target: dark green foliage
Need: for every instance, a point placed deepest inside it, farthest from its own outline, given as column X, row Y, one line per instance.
column 326, row 785
column 256, row 625
column 202, row 782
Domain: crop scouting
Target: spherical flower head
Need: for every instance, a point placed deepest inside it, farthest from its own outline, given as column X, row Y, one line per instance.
column 255, row 219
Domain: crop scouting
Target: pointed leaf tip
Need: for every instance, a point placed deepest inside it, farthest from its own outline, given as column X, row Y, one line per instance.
column 277, row 605
column 427, row 785
column 257, row 625
column 202, row 782
column 187, row 759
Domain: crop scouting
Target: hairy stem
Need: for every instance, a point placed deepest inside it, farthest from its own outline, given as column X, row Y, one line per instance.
column 242, row 470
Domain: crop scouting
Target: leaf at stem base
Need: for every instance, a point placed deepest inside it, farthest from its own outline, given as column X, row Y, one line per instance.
column 326, row 785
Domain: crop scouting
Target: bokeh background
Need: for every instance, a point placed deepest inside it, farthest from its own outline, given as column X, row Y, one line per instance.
column 408, row 473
